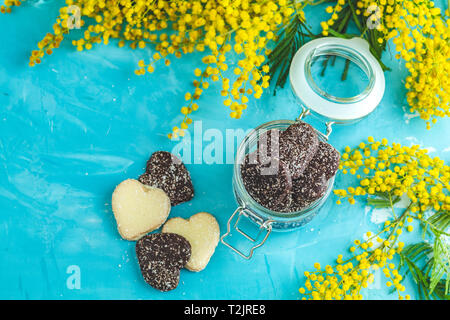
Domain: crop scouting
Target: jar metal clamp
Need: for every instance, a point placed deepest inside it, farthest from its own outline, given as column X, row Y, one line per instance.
column 313, row 100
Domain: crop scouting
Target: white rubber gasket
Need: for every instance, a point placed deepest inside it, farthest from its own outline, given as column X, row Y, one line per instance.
column 331, row 108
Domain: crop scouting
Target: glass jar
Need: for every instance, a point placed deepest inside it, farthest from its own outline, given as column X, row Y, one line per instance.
column 314, row 100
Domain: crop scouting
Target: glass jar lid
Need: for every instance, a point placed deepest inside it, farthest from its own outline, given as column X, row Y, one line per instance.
column 351, row 98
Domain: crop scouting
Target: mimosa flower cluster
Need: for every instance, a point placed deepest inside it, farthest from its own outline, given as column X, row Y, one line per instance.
column 347, row 277
column 397, row 170
column 237, row 38
column 219, row 29
column 8, row 4
column 385, row 173
column 421, row 35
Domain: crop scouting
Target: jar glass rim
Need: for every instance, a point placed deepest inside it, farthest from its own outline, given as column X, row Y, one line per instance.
column 345, row 52
column 241, row 190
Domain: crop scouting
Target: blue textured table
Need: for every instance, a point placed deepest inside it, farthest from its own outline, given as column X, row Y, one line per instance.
column 80, row 123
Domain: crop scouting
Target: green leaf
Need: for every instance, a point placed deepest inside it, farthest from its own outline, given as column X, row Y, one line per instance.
column 433, row 278
column 382, row 200
column 290, row 38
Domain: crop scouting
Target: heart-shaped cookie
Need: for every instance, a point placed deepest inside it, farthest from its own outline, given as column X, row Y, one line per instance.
column 139, row 209
column 160, row 257
column 298, row 144
column 325, row 162
column 313, row 182
column 202, row 231
column 269, row 184
column 167, row 172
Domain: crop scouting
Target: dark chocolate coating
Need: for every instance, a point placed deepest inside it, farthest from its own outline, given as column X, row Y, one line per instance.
column 268, row 146
column 298, row 144
column 325, row 161
column 309, row 187
column 160, row 257
column 269, row 184
column 167, row 172
column 296, row 204
column 313, row 182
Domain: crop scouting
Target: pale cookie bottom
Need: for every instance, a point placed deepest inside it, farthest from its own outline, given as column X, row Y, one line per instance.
column 202, row 231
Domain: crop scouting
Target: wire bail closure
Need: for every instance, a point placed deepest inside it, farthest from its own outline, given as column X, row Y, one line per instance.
column 306, row 112
column 263, row 225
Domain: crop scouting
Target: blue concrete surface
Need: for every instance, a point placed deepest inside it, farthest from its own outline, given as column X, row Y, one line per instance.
column 74, row 127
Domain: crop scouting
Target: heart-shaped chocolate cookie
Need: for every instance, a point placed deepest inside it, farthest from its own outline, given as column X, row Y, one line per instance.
column 325, row 161
column 167, row 172
column 202, row 231
column 269, row 184
column 160, row 257
column 298, row 144
column 313, row 182
column 139, row 209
